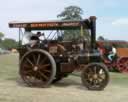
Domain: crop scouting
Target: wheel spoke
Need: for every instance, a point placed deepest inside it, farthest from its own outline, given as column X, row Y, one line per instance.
column 43, row 75
column 101, row 76
column 42, row 62
column 27, row 77
column 95, row 70
column 90, row 71
column 99, row 82
column 31, row 78
column 95, row 82
column 36, row 76
column 26, row 66
column 100, row 72
column 27, row 72
column 47, row 71
column 90, row 79
column 29, row 61
column 34, row 58
column 44, row 66
column 38, row 59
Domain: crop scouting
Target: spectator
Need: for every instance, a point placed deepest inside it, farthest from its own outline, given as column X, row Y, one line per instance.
column 112, row 53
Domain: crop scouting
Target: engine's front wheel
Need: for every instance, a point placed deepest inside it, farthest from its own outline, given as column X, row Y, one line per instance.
column 95, row 76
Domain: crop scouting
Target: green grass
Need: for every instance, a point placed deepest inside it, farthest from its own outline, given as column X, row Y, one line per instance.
column 8, row 67
column 119, row 79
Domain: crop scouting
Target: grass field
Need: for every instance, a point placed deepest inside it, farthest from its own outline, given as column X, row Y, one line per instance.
column 12, row 89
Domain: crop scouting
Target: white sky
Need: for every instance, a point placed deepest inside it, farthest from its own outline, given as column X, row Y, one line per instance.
column 112, row 22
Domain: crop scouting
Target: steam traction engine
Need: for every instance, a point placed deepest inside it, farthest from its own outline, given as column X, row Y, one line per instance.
column 50, row 60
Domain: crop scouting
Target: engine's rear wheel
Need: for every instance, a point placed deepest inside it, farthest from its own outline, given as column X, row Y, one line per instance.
column 95, row 76
column 37, row 68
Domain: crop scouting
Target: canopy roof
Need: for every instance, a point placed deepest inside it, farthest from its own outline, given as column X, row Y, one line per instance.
column 52, row 25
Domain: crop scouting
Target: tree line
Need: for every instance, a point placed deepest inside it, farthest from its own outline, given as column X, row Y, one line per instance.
column 7, row 43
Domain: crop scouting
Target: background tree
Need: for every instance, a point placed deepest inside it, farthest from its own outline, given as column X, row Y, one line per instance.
column 1, row 36
column 9, row 43
column 72, row 13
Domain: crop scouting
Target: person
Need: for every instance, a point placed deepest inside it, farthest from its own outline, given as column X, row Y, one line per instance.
column 112, row 53
column 26, row 37
column 30, row 38
column 34, row 39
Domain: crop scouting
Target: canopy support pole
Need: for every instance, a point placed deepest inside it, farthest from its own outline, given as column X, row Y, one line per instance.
column 19, row 37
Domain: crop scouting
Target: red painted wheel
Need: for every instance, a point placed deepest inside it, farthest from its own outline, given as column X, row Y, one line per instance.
column 122, row 64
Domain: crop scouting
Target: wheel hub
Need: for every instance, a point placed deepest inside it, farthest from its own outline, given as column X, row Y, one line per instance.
column 95, row 76
column 35, row 68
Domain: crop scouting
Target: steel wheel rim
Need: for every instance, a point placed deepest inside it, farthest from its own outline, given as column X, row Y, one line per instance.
column 95, row 76
column 36, row 69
